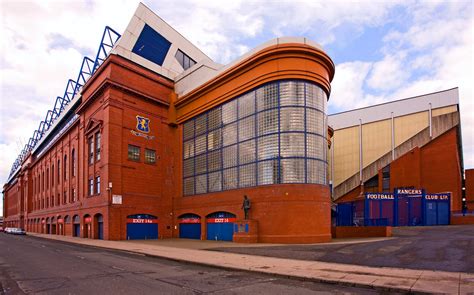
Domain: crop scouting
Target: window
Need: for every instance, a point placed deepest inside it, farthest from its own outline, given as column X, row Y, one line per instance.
column 74, row 196
column 133, row 153
column 47, row 178
column 73, row 162
column 65, row 167
column 65, row 197
column 271, row 135
column 91, row 150
column 150, row 156
column 97, row 185
column 52, row 175
column 184, row 60
column 97, row 146
column 91, row 186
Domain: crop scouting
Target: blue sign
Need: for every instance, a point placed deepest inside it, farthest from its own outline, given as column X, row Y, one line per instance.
column 143, row 124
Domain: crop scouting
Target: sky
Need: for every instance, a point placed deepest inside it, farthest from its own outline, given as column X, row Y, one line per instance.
column 383, row 50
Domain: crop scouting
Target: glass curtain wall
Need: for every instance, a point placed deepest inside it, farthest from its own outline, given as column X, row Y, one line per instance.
column 271, row 135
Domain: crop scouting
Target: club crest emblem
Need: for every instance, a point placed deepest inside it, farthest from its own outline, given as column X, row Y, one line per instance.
column 143, row 124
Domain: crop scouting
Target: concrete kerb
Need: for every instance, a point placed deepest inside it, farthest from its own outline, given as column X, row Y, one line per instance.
column 350, row 279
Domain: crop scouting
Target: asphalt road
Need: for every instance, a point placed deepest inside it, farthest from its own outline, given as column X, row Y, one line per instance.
column 38, row 266
column 442, row 248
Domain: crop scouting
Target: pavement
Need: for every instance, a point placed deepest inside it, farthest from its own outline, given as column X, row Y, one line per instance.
column 379, row 278
column 439, row 248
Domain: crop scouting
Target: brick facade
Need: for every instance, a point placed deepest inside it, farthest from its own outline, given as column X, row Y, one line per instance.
column 54, row 188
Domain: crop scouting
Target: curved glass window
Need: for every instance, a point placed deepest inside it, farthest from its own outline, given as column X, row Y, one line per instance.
column 273, row 134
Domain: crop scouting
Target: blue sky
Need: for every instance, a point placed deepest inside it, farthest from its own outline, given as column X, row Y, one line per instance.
column 383, row 50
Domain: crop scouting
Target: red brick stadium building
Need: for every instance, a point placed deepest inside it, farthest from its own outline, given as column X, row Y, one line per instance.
column 155, row 140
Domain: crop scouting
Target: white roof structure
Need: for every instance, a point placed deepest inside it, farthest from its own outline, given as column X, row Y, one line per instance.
column 398, row 108
column 160, row 35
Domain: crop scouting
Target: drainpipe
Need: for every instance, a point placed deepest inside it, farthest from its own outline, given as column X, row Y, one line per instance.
column 431, row 127
column 360, row 152
column 393, row 138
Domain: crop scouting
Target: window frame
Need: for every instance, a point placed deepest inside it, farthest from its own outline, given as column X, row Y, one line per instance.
column 147, row 156
column 138, row 148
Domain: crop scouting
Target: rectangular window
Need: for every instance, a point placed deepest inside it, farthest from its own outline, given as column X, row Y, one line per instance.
column 133, row 153
column 150, row 156
column 91, row 150
column 97, row 146
column 91, row 186
column 97, row 185
column 65, row 197
column 74, row 197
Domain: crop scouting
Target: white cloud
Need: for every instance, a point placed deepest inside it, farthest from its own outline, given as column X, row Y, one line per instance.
column 388, row 74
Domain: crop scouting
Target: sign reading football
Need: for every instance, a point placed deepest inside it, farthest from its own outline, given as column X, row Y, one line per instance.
column 143, row 127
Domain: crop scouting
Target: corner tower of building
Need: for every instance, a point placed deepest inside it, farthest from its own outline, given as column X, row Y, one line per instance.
column 259, row 128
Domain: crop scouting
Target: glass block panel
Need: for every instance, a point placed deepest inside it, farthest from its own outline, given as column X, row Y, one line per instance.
column 268, row 147
column 315, row 97
column 292, row 144
column 200, row 124
column 291, row 93
column 267, row 97
column 230, row 156
column 200, row 164
column 201, row 143
column 246, row 104
column 214, row 139
column 292, row 170
column 214, row 119
column 188, row 149
column 229, row 112
column 247, row 152
column 317, row 172
column 201, row 184
column 229, row 134
column 316, row 147
column 247, row 175
column 230, row 179
column 214, row 161
column 188, row 167
column 267, row 122
column 215, row 182
column 315, row 122
column 268, row 172
column 188, row 187
column 291, row 119
column 188, row 130
column 247, row 128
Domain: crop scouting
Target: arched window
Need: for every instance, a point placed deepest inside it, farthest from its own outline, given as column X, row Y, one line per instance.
column 73, row 163
column 52, row 175
column 59, row 171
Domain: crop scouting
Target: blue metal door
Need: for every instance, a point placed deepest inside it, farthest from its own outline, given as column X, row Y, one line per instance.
column 142, row 231
column 431, row 213
column 443, row 213
column 77, row 230
column 100, row 230
column 220, row 231
column 190, row 231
